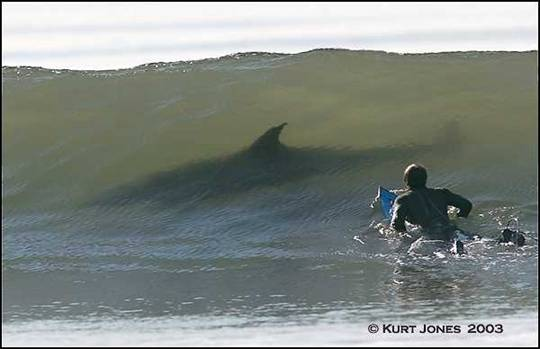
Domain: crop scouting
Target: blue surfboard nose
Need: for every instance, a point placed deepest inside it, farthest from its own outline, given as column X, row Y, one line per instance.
column 386, row 198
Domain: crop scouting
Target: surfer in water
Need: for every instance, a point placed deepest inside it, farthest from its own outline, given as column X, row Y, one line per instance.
column 428, row 208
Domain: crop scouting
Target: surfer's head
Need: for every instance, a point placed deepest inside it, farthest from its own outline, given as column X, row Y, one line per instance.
column 415, row 176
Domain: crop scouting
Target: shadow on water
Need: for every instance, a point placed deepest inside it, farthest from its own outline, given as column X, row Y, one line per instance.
column 265, row 163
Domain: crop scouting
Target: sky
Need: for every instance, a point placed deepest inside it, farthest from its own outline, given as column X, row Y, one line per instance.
column 102, row 35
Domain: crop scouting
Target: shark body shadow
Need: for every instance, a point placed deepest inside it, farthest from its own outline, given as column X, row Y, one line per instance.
column 266, row 162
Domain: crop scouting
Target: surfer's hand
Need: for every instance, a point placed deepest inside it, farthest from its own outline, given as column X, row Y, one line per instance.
column 398, row 191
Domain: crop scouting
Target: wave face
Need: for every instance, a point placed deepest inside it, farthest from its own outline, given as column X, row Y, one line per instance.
column 137, row 192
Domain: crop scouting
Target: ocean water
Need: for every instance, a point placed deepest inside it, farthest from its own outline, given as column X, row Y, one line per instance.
column 135, row 210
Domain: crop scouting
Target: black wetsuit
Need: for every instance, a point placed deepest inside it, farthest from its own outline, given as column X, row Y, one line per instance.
column 428, row 208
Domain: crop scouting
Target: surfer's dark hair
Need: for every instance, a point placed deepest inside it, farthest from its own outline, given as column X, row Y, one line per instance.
column 415, row 176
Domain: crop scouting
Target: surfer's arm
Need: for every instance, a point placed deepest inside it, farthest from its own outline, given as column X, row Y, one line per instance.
column 464, row 205
column 398, row 216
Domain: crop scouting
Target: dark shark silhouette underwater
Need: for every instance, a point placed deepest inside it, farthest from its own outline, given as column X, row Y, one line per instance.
column 266, row 162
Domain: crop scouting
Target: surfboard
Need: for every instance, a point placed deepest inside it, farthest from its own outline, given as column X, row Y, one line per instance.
column 386, row 198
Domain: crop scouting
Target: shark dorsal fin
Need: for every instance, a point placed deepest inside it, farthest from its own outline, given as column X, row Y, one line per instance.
column 269, row 141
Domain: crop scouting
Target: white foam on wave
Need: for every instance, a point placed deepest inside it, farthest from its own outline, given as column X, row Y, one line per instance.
column 231, row 331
